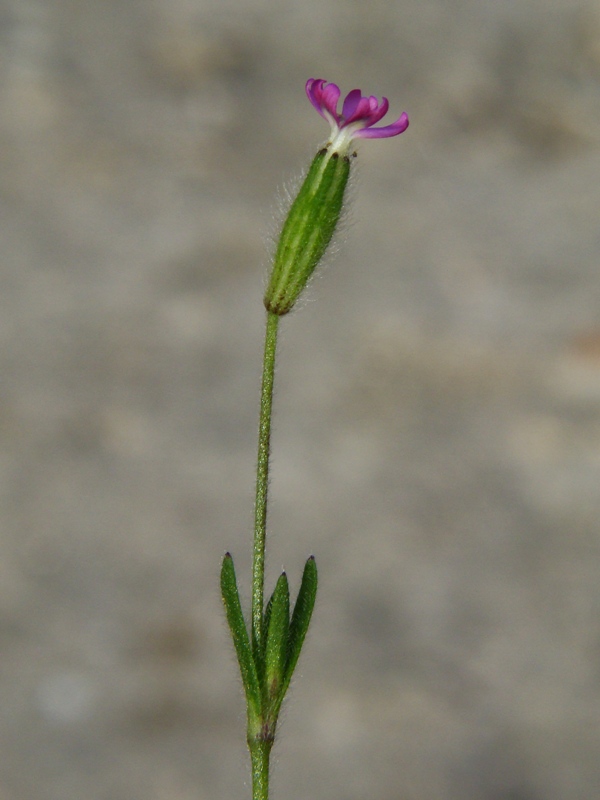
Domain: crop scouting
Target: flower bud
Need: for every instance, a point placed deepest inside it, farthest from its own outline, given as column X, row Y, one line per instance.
column 307, row 230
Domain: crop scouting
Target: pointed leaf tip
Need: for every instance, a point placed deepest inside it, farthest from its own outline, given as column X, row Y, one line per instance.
column 239, row 633
column 301, row 616
column 277, row 638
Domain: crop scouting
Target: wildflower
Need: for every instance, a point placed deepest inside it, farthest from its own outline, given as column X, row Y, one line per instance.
column 358, row 116
column 315, row 213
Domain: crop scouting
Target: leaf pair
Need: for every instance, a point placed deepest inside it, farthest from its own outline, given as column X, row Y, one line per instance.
column 267, row 672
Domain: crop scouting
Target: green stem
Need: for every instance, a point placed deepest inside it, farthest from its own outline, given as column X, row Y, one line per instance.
column 259, row 753
column 262, row 484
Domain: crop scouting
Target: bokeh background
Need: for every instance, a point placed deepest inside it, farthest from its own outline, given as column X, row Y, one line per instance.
column 437, row 437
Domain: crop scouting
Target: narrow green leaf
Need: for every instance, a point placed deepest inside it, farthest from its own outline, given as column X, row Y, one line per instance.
column 301, row 619
column 261, row 649
column 239, row 634
column 277, row 638
column 267, row 618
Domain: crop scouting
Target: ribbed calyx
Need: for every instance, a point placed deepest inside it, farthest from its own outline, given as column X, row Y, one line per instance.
column 307, row 230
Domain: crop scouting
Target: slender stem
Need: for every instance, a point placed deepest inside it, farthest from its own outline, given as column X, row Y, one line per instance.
column 262, row 484
column 259, row 754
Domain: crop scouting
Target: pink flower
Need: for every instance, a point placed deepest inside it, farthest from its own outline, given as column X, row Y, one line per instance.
column 358, row 116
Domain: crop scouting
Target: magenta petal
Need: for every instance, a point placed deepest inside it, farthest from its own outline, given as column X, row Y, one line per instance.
column 312, row 87
column 314, row 93
column 361, row 112
column 330, row 97
column 323, row 96
column 378, row 111
column 352, row 100
column 394, row 129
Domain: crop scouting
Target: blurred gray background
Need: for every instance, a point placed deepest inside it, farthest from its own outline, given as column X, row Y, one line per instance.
column 437, row 435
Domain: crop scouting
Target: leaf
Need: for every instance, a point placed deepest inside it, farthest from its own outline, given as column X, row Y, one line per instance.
column 300, row 619
column 239, row 634
column 259, row 657
column 277, row 638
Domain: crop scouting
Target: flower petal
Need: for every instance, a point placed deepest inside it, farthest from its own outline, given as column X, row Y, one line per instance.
column 362, row 111
column 358, row 117
column 323, row 99
column 313, row 92
column 378, row 111
column 331, row 95
column 394, row 129
column 352, row 100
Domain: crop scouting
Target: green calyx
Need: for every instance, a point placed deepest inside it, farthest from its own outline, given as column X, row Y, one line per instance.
column 308, row 229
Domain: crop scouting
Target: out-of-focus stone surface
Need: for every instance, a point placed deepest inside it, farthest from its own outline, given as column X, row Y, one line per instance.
column 437, row 441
